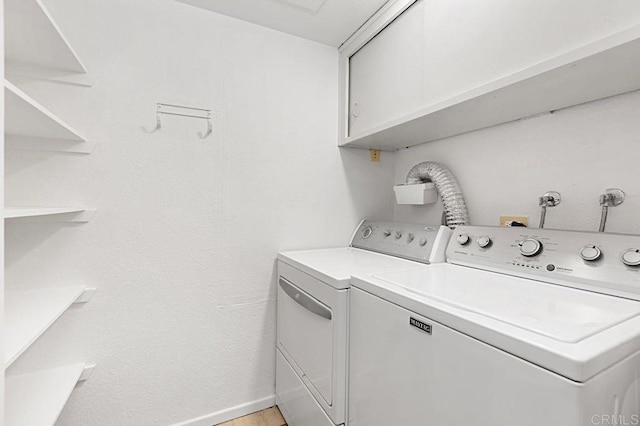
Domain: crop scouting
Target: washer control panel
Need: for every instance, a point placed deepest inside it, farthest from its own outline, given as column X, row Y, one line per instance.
column 426, row 244
column 602, row 262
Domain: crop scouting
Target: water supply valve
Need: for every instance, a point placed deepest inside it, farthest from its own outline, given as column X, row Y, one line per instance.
column 549, row 199
column 612, row 197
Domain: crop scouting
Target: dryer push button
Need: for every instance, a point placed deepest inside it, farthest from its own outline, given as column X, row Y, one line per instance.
column 462, row 239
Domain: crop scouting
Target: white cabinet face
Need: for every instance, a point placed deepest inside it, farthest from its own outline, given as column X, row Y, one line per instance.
column 385, row 75
column 419, row 71
column 467, row 47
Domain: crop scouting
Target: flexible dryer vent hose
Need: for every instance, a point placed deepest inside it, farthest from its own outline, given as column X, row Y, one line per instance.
column 455, row 210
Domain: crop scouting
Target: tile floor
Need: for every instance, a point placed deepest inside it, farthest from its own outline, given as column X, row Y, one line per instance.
column 269, row 417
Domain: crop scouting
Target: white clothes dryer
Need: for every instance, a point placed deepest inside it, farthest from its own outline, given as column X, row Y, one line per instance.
column 313, row 299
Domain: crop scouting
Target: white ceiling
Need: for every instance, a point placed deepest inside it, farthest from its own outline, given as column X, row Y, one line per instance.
column 326, row 21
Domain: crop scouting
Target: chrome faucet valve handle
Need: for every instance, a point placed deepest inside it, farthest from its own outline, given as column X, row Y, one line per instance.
column 612, row 197
column 549, row 199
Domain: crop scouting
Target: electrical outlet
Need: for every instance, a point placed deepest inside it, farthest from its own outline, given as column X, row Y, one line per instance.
column 375, row 155
column 506, row 220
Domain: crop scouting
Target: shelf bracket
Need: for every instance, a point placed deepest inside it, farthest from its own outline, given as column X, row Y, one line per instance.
column 86, row 295
column 86, row 372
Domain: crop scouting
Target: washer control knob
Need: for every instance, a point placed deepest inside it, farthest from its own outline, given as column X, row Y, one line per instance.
column 484, row 241
column 398, row 235
column 463, row 239
column 590, row 253
column 530, row 247
column 386, row 233
column 422, row 242
column 630, row 257
column 410, row 237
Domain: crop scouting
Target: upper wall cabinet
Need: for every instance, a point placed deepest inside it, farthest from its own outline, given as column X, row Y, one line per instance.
column 424, row 70
column 386, row 81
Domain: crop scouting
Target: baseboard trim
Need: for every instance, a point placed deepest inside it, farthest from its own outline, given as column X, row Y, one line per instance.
column 231, row 413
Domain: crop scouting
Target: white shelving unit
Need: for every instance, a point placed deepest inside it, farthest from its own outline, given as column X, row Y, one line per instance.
column 29, row 125
column 560, row 82
column 35, row 47
column 29, row 313
column 33, row 39
column 48, row 214
column 37, row 399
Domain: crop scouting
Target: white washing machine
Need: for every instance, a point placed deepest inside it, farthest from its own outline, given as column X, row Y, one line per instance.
column 313, row 299
column 524, row 327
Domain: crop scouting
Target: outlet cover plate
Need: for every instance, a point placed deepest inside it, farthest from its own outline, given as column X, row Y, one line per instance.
column 506, row 220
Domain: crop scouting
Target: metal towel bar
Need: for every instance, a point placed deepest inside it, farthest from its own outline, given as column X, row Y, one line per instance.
column 184, row 111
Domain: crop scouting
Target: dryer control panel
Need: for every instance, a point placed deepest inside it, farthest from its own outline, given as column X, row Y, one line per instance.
column 421, row 243
column 596, row 261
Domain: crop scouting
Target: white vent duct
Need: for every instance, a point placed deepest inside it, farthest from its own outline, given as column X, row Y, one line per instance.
column 455, row 210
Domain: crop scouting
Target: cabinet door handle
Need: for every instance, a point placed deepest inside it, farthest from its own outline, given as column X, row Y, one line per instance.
column 355, row 111
column 305, row 300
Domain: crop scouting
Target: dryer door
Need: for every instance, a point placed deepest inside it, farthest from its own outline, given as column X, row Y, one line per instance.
column 312, row 336
column 306, row 335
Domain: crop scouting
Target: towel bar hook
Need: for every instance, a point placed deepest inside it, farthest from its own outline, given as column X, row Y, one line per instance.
column 209, row 129
column 183, row 111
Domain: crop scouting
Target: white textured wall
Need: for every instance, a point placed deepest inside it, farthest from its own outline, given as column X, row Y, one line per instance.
column 578, row 151
column 183, row 243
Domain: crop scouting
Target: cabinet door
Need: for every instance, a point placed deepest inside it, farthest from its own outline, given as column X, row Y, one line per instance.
column 385, row 75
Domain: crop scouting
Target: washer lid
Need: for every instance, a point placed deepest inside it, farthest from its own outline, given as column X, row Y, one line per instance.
column 574, row 333
column 335, row 266
column 560, row 313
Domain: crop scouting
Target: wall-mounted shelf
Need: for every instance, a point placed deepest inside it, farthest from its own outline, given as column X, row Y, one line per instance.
column 37, row 399
column 29, row 313
column 29, row 125
column 48, row 214
column 33, row 38
column 605, row 68
column 36, row 48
